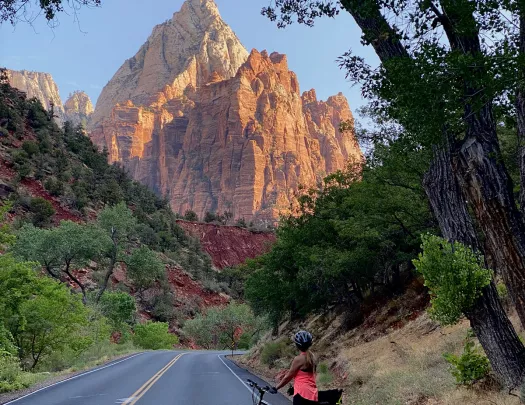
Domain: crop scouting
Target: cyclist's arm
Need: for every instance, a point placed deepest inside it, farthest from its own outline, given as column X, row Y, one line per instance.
column 295, row 367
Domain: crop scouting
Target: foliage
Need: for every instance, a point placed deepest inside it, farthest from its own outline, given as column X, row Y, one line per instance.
column 6, row 236
column 154, row 336
column 471, row 366
column 144, row 267
column 9, row 372
column 64, row 248
column 41, row 314
column 455, row 276
column 222, row 327
column 273, row 351
column 347, row 237
column 119, row 307
column 190, row 215
column 42, row 211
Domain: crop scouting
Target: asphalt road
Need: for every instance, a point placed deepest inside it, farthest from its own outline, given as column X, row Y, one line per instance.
column 156, row 378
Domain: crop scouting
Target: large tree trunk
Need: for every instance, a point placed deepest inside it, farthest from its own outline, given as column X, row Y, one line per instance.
column 478, row 162
column 520, row 105
column 487, row 186
column 487, row 317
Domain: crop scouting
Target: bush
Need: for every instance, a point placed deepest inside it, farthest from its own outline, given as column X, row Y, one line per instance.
column 31, row 148
column 9, row 372
column 190, row 215
column 154, row 336
column 42, row 211
column 273, row 351
column 54, row 186
column 471, row 366
column 209, row 217
column 324, row 376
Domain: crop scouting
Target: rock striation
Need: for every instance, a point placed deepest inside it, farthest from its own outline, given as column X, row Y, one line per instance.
column 200, row 121
column 40, row 86
column 78, row 108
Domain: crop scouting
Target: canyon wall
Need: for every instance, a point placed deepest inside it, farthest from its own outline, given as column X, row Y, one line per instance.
column 200, row 121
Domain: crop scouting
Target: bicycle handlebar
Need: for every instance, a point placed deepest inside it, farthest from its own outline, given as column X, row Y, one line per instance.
column 253, row 384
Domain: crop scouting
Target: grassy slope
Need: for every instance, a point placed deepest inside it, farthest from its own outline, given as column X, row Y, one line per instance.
column 394, row 358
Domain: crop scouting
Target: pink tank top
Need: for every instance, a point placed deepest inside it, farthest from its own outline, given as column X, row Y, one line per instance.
column 305, row 385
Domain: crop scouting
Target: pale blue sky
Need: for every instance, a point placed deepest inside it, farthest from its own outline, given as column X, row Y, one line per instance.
column 85, row 55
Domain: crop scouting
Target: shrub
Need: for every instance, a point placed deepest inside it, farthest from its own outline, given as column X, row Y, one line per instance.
column 9, row 372
column 154, row 336
column 324, row 376
column 190, row 215
column 471, row 366
column 209, row 217
column 42, row 211
column 31, row 148
column 54, row 186
column 119, row 307
column 273, row 351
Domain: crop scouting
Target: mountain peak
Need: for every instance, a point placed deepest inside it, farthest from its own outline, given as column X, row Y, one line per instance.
column 202, row 9
column 181, row 53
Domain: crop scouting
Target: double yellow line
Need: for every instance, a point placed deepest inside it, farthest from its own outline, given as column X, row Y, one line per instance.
column 142, row 390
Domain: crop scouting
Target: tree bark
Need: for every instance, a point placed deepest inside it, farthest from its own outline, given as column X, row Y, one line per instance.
column 487, row 317
column 520, row 105
column 479, row 165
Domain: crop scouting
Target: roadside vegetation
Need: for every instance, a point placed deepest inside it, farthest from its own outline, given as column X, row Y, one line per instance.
column 69, row 222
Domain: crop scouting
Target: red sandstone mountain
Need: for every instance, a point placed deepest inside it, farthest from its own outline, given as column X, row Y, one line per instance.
column 198, row 120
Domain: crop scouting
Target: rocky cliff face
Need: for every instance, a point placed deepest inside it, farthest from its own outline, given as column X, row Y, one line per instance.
column 78, row 108
column 38, row 85
column 195, row 119
column 229, row 246
column 180, row 55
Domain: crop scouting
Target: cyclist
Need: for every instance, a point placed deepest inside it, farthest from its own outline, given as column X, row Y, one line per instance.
column 302, row 372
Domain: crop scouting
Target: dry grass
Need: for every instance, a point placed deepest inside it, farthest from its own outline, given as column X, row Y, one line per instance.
column 390, row 366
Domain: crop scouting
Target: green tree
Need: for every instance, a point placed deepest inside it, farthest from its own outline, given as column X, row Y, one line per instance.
column 209, row 217
column 119, row 224
column 461, row 58
column 223, row 327
column 144, row 268
column 154, row 336
column 190, row 215
column 40, row 314
column 63, row 249
column 119, row 307
column 42, row 211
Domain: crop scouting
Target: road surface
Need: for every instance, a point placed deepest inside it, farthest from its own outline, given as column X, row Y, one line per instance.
column 156, row 378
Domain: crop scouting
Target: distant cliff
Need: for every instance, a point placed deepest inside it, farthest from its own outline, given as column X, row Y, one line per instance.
column 77, row 108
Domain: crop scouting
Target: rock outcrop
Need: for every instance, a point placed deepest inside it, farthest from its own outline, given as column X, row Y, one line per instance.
column 212, row 130
column 78, row 108
column 40, row 86
column 229, row 246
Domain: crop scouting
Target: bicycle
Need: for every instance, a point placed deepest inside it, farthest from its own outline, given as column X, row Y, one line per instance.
column 258, row 393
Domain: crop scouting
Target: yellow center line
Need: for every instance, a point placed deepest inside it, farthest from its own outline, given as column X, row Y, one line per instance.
column 148, row 384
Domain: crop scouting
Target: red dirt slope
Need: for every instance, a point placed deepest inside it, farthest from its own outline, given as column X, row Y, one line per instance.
column 228, row 245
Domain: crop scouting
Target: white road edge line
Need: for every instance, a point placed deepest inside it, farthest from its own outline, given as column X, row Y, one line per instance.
column 239, row 378
column 72, row 378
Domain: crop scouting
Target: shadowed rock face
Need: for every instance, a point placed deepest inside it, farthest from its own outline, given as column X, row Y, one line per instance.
column 199, row 120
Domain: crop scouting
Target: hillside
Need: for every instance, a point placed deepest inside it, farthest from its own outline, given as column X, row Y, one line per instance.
column 216, row 128
column 50, row 175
